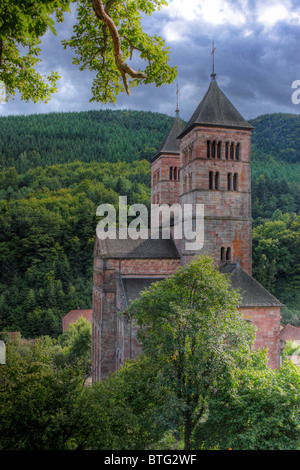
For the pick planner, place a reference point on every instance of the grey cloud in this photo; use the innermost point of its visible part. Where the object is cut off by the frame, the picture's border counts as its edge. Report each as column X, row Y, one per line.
column 254, row 71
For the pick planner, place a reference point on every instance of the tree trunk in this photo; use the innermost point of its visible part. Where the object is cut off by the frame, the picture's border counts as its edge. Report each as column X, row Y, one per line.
column 188, row 428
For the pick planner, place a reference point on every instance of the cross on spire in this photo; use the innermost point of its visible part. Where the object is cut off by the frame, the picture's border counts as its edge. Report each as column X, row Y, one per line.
column 177, row 94
column 213, row 57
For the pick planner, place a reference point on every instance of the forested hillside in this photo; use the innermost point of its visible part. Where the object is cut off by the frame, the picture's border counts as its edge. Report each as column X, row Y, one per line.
column 57, row 168
column 47, row 139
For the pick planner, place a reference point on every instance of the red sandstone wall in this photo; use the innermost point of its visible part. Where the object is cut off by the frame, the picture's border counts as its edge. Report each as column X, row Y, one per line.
column 164, row 190
column 267, row 321
column 227, row 212
column 146, row 267
column 112, row 336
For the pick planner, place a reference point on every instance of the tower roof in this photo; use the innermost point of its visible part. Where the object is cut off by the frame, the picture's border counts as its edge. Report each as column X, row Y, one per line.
column 171, row 144
column 215, row 109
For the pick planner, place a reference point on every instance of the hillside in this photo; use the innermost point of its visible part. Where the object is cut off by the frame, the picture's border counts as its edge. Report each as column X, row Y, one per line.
column 56, row 170
column 47, row 139
column 278, row 136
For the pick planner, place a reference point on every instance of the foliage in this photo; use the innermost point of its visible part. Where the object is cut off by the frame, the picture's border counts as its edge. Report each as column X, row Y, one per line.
column 122, row 412
column 276, row 135
column 21, row 28
column 105, row 36
column 47, row 238
column 259, row 412
column 33, row 141
column 276, row 262
column 76, row 345
column 291, row 348
column 190, row 327
column 38, row 399
column 108, row 35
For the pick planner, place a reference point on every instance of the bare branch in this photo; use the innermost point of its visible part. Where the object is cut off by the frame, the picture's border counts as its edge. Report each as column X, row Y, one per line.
column 124, row 68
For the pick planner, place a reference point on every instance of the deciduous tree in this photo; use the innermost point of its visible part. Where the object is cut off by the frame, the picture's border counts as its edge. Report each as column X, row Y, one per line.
column 190, row 326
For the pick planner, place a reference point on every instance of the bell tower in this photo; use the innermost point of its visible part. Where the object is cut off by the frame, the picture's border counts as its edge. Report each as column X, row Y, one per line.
column 165, row 166
column 215, row 168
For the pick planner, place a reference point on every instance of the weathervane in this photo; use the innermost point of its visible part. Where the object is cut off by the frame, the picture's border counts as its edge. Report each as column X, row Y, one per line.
column 213, row 57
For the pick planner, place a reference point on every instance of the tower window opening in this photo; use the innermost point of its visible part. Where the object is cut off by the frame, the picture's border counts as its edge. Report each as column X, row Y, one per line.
column 185, row 156
column 235, row 182
column 219, row 150
column 213, row 150
column 175, row 173
column 211, row 175
column 227, row 150
column 217, row 180
column 178, row 174
column 171, row 172
column 222, row 253
column 232, row 151
column 237, row 151
column 229, row 181
column 208, row 149
column 228, row 254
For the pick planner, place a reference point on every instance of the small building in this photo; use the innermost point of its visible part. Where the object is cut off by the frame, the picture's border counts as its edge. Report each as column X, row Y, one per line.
column 73, row 315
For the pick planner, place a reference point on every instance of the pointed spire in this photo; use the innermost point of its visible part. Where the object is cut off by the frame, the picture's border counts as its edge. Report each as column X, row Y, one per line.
column 216, row 110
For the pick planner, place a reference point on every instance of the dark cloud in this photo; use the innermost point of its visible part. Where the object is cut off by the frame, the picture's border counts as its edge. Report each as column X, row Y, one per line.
column 256, row 64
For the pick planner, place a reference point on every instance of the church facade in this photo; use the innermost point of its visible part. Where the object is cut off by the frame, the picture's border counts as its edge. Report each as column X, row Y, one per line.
column 204, row 162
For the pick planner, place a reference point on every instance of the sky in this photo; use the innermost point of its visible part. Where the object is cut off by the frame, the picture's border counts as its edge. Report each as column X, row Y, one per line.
column 257, row 59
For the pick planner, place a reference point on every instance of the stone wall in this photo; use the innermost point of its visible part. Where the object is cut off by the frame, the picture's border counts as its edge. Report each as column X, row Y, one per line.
column 163, row 189
column 223, row 186
column 267, row 322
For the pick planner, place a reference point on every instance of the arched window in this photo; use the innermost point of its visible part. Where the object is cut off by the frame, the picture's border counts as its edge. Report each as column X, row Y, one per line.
column 178, row 173
column 235, row 182
column 217, row 180
column 211, row 176
column 229, row 178
column 237, row 151
column 208, row 149
column 213, row 150
column 175, row 173
column 171, row 172
column 219, row 150
column 228, row 254
column 232, row 151
column 227, row 150
column 222, row 253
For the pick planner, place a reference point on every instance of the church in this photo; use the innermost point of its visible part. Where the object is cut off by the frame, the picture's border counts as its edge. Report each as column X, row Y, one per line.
column 205, row 161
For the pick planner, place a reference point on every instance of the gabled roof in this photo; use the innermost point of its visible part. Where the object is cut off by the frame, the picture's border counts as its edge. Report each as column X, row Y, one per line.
column 139, row 249
column 171, row 145
column 134, row 286
column 215, row 109
column 252, row 292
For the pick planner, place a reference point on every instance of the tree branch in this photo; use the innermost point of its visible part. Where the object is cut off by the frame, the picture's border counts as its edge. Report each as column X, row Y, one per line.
column 124, row 69
column 109, row 5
